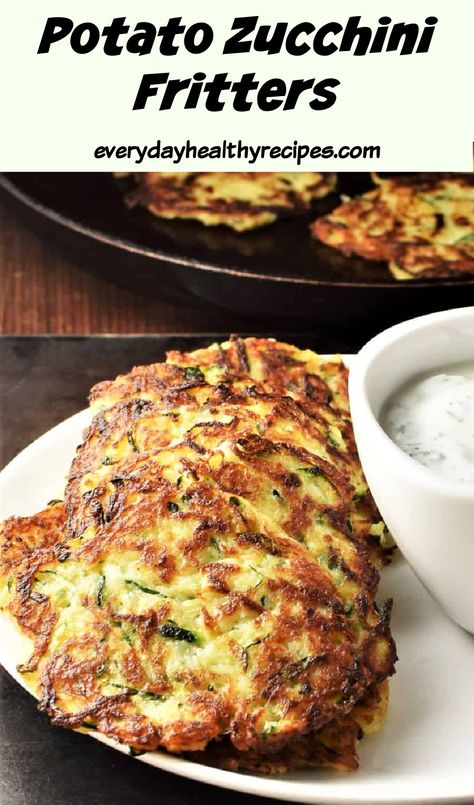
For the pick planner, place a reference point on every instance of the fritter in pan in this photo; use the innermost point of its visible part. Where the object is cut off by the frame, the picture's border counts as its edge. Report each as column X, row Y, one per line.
column 435, row 261
column 424, row 228
column 242, row 201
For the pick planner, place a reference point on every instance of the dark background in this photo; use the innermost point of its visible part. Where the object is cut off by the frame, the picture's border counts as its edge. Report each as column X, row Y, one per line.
column 44, row 290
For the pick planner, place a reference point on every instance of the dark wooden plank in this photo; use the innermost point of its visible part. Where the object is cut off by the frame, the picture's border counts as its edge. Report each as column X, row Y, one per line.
column 43, row 291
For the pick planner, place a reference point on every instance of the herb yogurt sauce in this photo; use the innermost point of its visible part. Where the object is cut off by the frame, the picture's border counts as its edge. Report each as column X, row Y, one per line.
column 431, row 419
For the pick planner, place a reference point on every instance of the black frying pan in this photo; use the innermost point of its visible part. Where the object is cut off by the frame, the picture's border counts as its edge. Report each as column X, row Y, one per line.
column 275, row 272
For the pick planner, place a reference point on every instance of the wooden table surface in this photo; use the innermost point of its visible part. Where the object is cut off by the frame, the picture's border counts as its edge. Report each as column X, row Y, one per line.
column 43, row 292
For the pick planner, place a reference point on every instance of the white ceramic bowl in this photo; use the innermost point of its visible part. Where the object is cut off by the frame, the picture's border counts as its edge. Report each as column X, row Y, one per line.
column 431, row 519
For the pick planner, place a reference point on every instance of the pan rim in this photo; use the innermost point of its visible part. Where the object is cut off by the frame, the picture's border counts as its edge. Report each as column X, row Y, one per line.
column 9, row 185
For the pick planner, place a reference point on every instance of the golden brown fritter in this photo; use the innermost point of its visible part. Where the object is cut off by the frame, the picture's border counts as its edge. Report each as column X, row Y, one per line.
column 332, row 747
column 23, row 541
column 212, row 582
column 20, row 536
column 424, row 228
column 293, row 397
column 435, row 261
column 185, row 617
column 242, row 201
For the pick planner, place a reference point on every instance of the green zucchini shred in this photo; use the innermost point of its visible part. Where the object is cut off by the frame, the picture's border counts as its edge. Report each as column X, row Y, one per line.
column 172, row 631
column 141, row 587
column 100, row 591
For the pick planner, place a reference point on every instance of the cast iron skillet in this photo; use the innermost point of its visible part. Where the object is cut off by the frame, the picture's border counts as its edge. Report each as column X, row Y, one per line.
column 275, row 272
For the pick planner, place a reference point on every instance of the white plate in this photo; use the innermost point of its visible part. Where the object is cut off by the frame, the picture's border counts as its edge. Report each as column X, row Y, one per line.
column 425, row 752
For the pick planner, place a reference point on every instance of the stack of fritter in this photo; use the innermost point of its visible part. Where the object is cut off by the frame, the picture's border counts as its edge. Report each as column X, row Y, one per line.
column 423, row 225
column 208, row 585
column 242, row 201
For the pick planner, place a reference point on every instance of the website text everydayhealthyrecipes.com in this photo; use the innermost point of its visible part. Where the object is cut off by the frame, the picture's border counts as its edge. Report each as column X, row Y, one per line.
column 234, row 150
